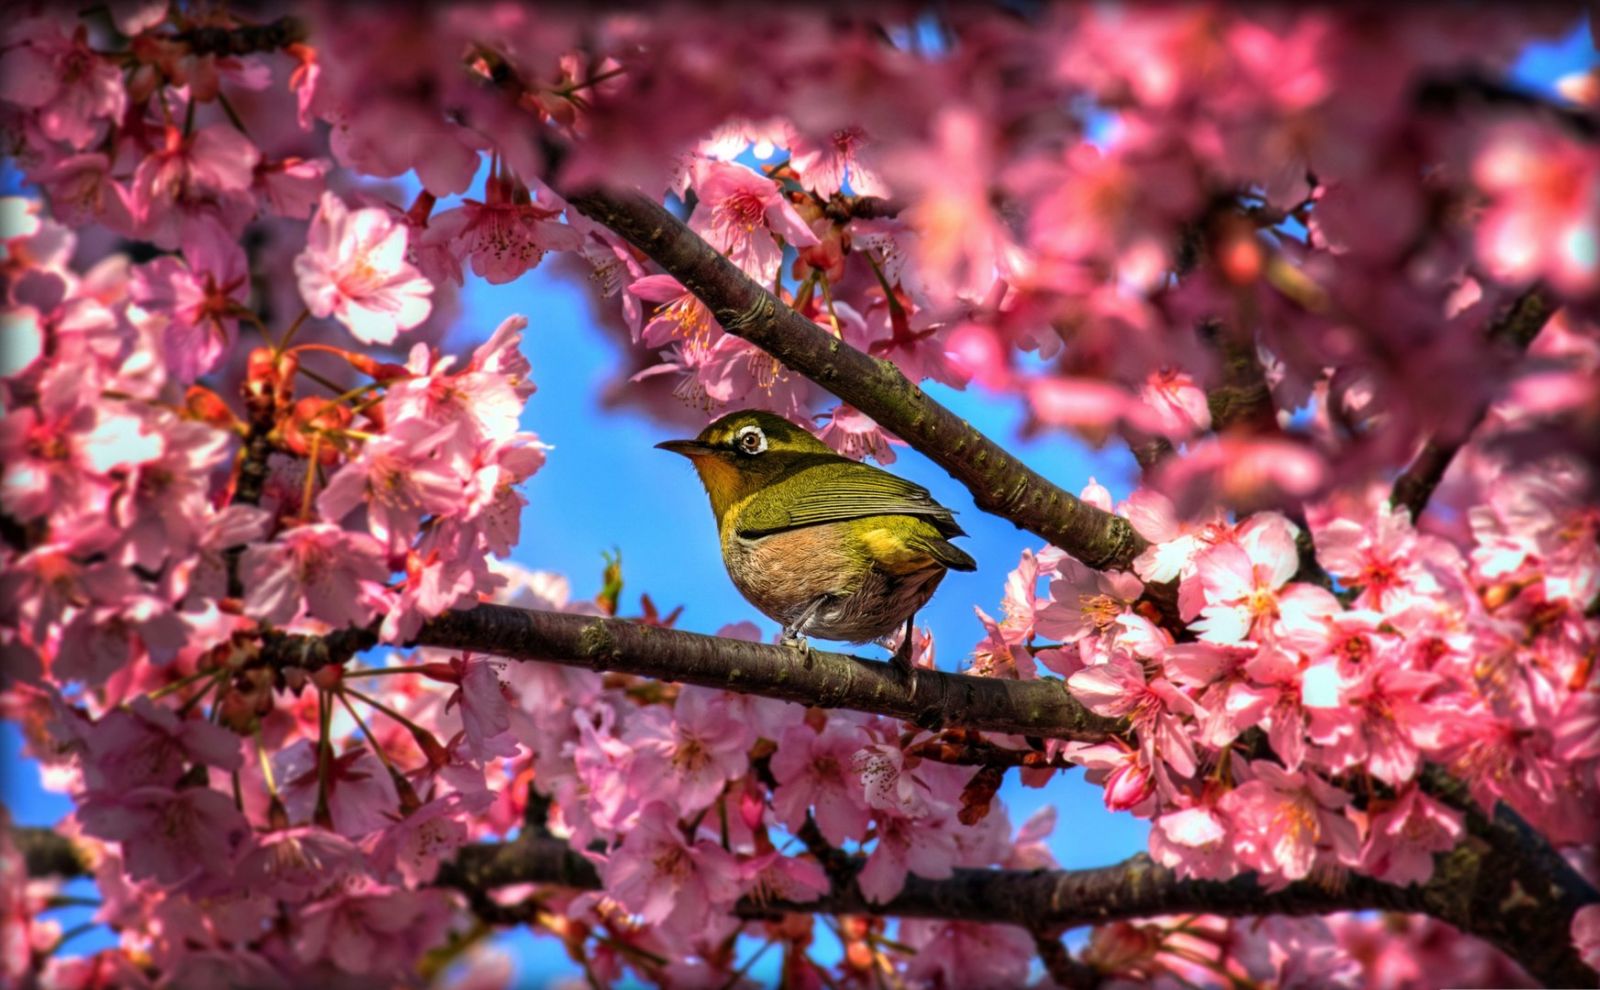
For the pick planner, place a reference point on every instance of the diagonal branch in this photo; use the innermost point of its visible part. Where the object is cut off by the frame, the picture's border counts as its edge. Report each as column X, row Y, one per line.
column 1041, row 900
column 1513, row 331
column 999, row 482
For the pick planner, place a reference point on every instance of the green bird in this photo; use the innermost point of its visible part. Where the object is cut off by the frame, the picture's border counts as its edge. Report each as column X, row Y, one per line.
column 824, row 545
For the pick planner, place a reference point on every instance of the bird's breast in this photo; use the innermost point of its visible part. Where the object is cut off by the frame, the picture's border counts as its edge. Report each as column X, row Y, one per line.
column 783, row 573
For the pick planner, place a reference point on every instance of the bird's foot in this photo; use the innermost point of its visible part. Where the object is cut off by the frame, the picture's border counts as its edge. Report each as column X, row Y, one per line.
column 903, row 664
column 794, row 640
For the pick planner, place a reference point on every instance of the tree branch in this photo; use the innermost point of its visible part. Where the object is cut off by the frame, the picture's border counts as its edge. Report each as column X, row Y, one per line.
column 1053, row 900
column 829, row 680
column 244, row 39
column 999, row 482
column 1476, row 90
column 1513, row 331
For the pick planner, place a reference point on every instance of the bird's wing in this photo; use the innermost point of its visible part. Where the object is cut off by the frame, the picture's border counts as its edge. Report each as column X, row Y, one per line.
column 834, row 490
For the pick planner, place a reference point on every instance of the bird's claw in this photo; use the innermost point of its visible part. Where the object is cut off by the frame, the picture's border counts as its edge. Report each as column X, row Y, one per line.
column 903, row 664
column 794, row 640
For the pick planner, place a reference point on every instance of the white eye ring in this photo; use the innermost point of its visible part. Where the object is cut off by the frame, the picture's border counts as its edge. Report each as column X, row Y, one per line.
column 750, row 440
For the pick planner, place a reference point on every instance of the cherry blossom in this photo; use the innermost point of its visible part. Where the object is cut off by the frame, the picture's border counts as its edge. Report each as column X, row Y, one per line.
column 1329, row 276
column 667, row 880
column 354, row 270
column 741, row 212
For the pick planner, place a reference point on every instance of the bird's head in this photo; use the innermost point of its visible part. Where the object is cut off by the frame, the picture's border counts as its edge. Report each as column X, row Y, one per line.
column 743, row 452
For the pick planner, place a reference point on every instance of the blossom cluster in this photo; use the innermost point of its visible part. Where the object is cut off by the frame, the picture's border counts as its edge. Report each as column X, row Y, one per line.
column 1251, row 243
column 1288, row 731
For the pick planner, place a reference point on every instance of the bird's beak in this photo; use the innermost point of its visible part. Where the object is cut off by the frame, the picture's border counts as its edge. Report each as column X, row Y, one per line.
column 688, row 448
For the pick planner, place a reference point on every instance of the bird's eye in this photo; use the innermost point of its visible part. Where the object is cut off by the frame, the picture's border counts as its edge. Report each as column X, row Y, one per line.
column 750, row 440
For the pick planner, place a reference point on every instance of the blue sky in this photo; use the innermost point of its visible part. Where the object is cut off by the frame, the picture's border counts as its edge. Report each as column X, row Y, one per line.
column 606, row 488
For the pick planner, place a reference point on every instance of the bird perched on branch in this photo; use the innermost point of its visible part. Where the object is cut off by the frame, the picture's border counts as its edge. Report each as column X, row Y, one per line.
column 827, row 546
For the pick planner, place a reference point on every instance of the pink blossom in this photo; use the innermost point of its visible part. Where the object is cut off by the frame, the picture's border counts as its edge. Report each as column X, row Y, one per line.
column 1393, row 714
column 1286, row 822
column 165, row 500
column 740, row 212
column 50, row 69
column 1540, row 514
column 82, row 190
column 372, row 929
column 399, row 477
column 169, row 836
column 1087, row 405
column 925, row 846
column 147, row 744
column 1117, row 688
column 813, row 771
column 315, row 570
column 964, row 954
column 291, row 187
column 200, row 297
column 1586, row 934
column 826, row 167
column 598, row 798
column 1386, row 558
column 205, row 176
column 854, row 434
column 1544, row 217
column 97, row 642
column 1029, row 850
column 888, row 785
column 1243, row 585
column 506, row 234
column 1195, row 842
column 685, row 757
column 962, row 246
column 298, row 864
column 52, row 452
column 361, row 797
column 1403, row 838
column 1179, row 404
column 354, row 270
column 667, row 880
column 415, row 845
column 488, row 403
column 1124, row 772
column 679, row 315
column 1246, row 473
column 483, row 697
column 774, row 876
column 1174, row 543
column 1085, row 601
column 205, row 576
column 913, row 338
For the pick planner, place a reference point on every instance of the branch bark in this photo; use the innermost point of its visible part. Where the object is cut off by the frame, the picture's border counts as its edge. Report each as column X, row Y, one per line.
column 1049, row 900
column 244, row 39
column 930, row 698
column 1514, row 331
column 1000, row 483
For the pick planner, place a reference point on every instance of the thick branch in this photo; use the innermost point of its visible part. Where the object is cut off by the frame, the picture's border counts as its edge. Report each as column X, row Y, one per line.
column 46, row 853
column 827, row 680
column 1473, row 90
column 244, row 39
column 999, row 482
column 1514, row 332
column 1045, row 900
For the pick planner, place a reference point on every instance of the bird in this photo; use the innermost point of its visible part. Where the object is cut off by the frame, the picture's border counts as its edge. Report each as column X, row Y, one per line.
column 824, row 545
